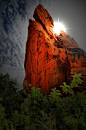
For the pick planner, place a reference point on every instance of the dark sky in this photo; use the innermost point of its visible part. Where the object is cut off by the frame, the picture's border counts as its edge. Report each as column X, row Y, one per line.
column 14, row 20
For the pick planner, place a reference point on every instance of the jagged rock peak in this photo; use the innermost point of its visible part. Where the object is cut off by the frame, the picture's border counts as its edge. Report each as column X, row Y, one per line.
column 42, row 16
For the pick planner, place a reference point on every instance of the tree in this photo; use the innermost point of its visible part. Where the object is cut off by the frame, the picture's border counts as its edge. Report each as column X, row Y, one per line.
column 8, row 92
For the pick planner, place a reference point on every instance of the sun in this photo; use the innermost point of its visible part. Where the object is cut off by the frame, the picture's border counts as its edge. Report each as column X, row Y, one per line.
column 58, row 27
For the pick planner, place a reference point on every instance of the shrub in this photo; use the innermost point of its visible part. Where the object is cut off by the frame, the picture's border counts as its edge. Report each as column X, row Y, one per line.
column 39, row 111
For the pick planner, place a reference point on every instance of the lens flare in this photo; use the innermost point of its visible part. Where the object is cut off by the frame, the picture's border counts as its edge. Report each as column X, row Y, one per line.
column 58, row 27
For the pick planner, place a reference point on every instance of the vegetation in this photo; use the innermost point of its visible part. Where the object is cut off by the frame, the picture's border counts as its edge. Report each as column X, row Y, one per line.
column 24, row 110
column 53, row 42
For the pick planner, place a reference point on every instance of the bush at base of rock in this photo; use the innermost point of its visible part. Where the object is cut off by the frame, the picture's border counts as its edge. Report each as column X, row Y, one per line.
column 39, row 111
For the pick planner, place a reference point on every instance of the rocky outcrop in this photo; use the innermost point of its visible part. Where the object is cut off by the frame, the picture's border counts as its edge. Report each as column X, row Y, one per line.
column 49, row 57
column 65, row 41
column 43, row 17
column 77, row 59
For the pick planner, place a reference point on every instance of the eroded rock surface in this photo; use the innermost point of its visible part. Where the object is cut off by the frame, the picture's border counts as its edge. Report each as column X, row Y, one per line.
column 49, row 57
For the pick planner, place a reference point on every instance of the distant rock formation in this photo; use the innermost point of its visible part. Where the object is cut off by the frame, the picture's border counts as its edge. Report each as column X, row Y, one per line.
column 50, row 59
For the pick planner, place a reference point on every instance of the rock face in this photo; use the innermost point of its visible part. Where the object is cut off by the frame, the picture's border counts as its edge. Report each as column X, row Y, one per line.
column 76, row 57
column 49, row 57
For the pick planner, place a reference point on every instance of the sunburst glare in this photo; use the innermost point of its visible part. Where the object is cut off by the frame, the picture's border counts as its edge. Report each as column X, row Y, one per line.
column 58, row 27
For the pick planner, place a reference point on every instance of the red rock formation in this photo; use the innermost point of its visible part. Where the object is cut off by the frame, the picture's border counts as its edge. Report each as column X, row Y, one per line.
column 48, row 65
column 65, row 41
column 77, row 59
column 43, row 17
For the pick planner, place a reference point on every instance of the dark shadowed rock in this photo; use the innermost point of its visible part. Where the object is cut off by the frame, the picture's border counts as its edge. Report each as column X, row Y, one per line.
column 49, row 57
column 77, row 59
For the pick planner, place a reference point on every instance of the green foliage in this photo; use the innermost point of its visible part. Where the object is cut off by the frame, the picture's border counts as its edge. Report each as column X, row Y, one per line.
column 76, row 80
column 4, row 123
column 68, row 88
column 1, row 99
column 36, row 92
column 8, row 92
column 26, row 84
column 55, row 93
column 36, row 111
column 53, row 42
column 16, row 118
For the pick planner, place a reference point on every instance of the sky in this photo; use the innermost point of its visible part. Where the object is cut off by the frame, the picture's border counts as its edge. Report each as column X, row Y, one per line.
column 73, row 15
column 14, row 21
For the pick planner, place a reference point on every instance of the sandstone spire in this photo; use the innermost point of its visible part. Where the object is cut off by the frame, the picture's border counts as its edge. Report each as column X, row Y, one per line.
column 50, row 58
